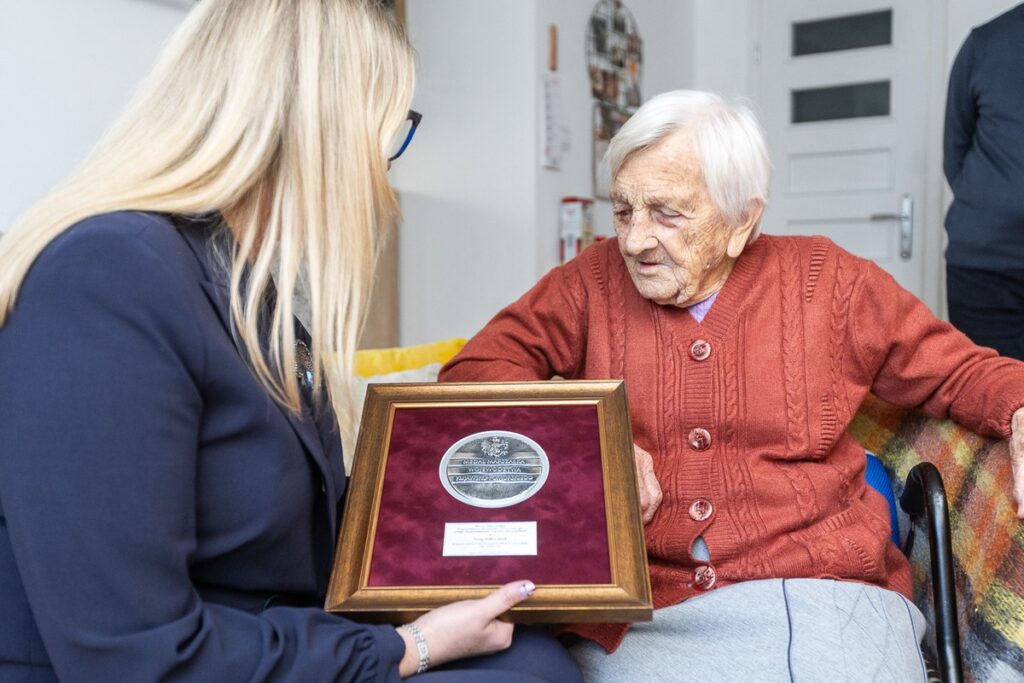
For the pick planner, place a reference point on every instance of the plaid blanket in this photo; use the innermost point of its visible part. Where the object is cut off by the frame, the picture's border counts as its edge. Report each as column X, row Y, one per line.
column 988, row 539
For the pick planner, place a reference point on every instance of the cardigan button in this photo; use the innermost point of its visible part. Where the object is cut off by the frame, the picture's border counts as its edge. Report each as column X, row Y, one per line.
column 701, row 510
column 700, row 439
column 704, row 577
column 700, row 349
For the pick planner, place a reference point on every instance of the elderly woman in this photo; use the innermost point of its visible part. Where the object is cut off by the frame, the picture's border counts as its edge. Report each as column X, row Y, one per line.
column 746, row 358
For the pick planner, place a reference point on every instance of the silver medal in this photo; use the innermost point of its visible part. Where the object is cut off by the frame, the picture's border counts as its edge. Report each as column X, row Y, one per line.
column 494, row 469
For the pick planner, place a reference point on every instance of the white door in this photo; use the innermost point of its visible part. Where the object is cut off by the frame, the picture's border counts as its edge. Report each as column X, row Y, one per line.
column 843, row 91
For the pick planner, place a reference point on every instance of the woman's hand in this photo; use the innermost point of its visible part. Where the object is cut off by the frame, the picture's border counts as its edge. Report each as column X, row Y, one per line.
column 465, row 629
column 1017, row 459
column 647, row 481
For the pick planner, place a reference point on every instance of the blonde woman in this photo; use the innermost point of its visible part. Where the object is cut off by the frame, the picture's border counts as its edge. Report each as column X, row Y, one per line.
column 169, row 483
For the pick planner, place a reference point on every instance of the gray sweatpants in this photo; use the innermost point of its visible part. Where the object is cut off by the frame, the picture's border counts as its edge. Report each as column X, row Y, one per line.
column 770, row 630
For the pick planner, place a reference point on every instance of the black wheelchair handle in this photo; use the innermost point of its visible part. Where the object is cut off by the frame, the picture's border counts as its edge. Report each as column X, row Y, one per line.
column 925, row 495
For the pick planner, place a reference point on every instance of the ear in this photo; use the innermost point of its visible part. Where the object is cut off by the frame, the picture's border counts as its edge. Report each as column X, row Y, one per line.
column 741, row 235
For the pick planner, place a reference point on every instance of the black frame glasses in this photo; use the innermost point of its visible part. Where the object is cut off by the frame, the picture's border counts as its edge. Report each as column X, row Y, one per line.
column 415, row 117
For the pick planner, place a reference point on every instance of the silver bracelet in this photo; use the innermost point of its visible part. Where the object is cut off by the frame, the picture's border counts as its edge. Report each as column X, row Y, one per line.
column 421, row 646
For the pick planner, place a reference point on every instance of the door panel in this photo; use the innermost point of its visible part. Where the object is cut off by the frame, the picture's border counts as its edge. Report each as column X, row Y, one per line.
column 844, row 114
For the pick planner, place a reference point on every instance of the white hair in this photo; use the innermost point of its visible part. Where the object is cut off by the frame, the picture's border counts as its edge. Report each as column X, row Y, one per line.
column 729, row 139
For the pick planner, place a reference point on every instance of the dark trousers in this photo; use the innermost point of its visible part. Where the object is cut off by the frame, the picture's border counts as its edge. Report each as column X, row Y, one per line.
column 535, row 657
column 988, row 306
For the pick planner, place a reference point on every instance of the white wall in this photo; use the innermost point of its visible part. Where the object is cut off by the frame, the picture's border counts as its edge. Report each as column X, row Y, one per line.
column 721, row 45
column 667, row 66
column 467, row 182
column 481, row 214
column 66, row 68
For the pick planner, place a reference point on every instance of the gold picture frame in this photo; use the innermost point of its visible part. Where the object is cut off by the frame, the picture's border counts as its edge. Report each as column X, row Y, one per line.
column 621, row 595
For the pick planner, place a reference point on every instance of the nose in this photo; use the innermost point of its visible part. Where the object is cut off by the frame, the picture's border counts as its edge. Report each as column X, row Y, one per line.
column 639, row 237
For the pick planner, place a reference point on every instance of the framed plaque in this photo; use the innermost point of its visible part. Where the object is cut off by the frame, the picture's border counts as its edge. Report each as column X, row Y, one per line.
column 459, row 488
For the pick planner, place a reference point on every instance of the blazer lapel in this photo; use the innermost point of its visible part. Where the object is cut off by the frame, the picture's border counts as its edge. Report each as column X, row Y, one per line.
column 215, row 287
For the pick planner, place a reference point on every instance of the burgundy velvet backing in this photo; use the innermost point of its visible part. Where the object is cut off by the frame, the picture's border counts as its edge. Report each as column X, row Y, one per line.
column 572, row 536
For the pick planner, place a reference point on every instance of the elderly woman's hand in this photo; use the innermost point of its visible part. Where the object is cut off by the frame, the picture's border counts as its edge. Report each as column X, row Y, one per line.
column 1017, row 459
column 647, row 481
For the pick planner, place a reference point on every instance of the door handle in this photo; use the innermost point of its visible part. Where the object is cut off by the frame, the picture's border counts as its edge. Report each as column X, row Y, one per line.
column 906, row 219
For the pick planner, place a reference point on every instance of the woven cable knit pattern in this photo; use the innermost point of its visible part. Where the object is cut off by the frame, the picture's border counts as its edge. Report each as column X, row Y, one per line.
column 792, row 343
column 665, row 394
column 577, row 292
column 803, row 489
column 845, row 477
column 829, row 546
column 845, row 280
column 836, row 401
column 574, row 295
column 744, row 515
column 668, row 544
column 617, row 322
column 670, row 391
column 839, row 315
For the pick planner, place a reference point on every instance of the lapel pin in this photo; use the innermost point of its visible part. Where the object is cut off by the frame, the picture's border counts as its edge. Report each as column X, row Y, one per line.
column 303, row 364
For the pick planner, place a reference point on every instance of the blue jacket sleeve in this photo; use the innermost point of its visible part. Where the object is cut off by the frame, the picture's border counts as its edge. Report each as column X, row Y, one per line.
column 961, row 112
column 99, row 372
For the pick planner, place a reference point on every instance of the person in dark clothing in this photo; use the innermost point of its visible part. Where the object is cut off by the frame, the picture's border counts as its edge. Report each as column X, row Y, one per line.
column 171, row 472
column 983, row 159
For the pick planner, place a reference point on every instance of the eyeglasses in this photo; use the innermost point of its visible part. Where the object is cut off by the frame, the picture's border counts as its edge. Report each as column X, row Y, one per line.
column 404, row 136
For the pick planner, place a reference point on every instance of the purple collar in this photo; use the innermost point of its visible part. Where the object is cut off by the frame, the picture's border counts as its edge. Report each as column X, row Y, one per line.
column 701, row 308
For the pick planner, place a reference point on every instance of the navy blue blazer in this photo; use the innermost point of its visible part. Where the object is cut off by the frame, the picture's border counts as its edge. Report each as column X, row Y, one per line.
column 983, row 147
column 161, row 517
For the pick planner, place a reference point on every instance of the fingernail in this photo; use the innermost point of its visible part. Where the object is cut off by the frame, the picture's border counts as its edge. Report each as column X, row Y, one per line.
column 527, row 589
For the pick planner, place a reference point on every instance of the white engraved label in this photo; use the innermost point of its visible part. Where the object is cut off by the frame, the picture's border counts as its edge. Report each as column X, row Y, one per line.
column 480, row 539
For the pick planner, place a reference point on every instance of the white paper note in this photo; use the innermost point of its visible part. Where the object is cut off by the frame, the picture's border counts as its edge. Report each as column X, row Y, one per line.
column 478, row 539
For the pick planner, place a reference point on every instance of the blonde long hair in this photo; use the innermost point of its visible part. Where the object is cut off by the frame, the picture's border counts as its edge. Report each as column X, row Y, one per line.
column 280, row 114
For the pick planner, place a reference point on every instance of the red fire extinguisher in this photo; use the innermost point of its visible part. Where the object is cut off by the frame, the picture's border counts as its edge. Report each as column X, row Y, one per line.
column 575, row 226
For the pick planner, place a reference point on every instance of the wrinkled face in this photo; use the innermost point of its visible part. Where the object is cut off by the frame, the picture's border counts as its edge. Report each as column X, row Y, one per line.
column 678, row 247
